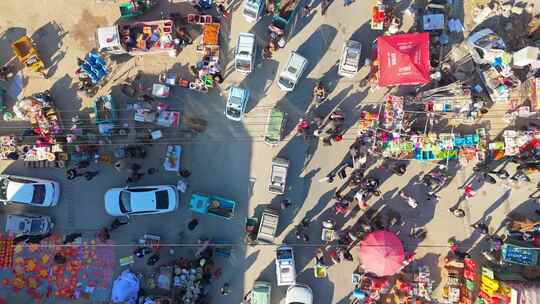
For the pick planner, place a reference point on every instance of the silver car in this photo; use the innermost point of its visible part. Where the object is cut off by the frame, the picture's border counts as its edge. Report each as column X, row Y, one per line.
column 28, row 224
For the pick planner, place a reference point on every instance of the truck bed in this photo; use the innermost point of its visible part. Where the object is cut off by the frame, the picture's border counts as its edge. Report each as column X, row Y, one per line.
column 268, row 226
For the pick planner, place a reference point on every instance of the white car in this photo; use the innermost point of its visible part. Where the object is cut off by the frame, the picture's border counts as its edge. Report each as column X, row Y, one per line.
column 299, row 294
column 292, row 71
column 29, row 190
column 350, row 59
column 28, row 224
column 141, row 200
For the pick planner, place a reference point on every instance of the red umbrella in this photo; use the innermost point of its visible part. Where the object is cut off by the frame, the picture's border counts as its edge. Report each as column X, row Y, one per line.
column 381, row 253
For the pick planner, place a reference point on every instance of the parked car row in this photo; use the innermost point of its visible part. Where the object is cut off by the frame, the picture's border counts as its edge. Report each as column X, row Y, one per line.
column 244, row 61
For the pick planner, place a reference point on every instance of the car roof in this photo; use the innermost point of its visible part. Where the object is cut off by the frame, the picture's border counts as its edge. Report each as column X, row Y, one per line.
column 143, row 201
column 299, row 293
column 296, row 60
column 245, row 42
column 237, row 97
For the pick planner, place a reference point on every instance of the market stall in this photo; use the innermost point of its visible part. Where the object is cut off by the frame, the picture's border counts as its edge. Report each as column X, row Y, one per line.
column 403, row 59
column 386, row 249
column 40, row 111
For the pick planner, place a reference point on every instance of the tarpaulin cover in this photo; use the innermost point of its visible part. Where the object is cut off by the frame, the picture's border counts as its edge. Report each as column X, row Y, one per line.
column 125, row 288
column 403, row 59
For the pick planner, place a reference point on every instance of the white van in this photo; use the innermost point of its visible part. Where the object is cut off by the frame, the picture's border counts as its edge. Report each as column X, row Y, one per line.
column 244, row 58
column 285, row 267
column 292, row 72
column 236, row 103
column 253, row 10
column 350, row 59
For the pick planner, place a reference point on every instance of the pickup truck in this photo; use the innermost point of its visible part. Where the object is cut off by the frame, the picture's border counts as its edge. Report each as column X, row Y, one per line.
column 278, row 177
column 213, row 205
column 268, row 226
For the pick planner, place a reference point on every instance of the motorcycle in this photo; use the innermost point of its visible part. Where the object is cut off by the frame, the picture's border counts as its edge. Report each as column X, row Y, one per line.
column 86, row 86
column 370, row 185
column 303, row 127
column 485, row 172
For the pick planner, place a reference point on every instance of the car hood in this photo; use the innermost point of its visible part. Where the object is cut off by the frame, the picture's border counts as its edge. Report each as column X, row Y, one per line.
column 112, row 202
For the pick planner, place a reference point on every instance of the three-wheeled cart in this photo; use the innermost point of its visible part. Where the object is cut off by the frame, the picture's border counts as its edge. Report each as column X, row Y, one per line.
column 274, row 127
column 28, row 55
column 213, row 205
column 135, row 8
column 278, row 177
column 268, row 225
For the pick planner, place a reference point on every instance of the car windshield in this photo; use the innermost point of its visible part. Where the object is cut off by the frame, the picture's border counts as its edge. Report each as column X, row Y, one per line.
column 125, row 201
column 4, row 182
column 248, row 12
column 162, row 199
column 491, row 40
column 35, row 225
column 284, row 254
column 38, row 197
column 233, row 112
column 286, row 82
column 243, row 64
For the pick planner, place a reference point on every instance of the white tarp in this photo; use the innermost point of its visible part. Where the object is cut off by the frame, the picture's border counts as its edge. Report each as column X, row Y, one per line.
column 125, row 288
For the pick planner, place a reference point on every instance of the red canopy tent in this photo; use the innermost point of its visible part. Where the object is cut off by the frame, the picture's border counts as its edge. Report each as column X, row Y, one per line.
column 403, row 59
column 381, row 252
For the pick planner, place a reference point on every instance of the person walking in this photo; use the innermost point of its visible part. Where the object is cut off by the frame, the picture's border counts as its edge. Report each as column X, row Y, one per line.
column 182, row 185
column 482, row 227
column 468, row 192
column 120, row 165
column 70, row 238
column 71, row 174
column 409, row 199
column 89, row 175
column 83, row 164
column 225, row 290
column 347, row 2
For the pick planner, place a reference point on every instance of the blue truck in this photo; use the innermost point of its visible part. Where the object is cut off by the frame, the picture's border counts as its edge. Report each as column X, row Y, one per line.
column 213, row 205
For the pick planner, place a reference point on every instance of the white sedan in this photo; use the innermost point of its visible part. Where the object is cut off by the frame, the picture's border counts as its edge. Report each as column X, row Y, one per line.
column 29, row 190
column 299, row 294
column 141, row 200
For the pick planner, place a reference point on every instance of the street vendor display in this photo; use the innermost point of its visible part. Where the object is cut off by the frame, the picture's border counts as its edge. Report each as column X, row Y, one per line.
column 106, row 114
column 39, row 110
column 208, row 69
column 172, row 158
column 393, row 113
column 138, row 38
